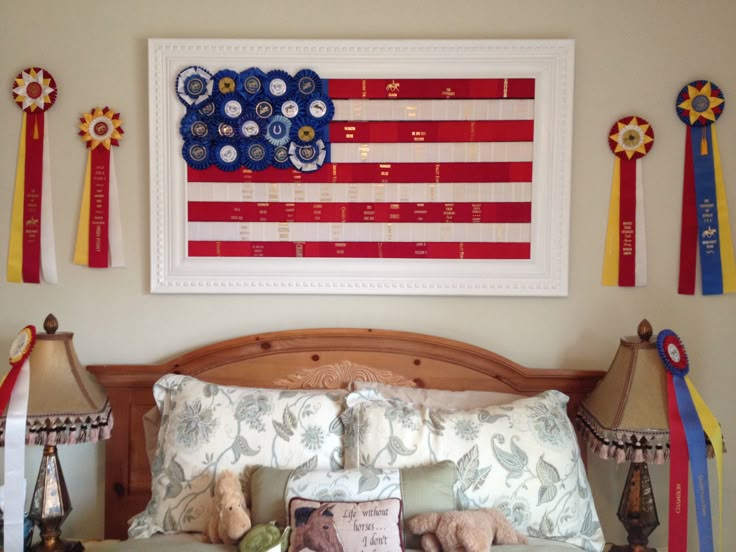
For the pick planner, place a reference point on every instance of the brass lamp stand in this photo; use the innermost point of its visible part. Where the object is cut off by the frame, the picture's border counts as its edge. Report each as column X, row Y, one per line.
column 50, row 505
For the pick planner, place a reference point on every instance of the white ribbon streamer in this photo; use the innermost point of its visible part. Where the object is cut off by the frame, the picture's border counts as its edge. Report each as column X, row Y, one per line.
column 14, row 492
column 115, row 232
column 640, row 269
column 48, row 245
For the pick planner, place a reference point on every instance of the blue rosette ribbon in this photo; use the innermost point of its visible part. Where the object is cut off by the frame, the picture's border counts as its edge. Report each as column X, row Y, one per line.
column 226, row 82
column 308, row 82
column 250, row 126
column 208, row 109
column 279, row 85
column 673, row 355
column 308, row 157
column 281, row 158
column 223, row 129
column 197, row 153
column 304, row 131
column 257, row 154
column 194, row 86
column 291, row 108
column 250, row 82
column 263, row 107
column 320, row 108
column 231, row 107
column 194, row 126
column 227, row 155
column 278, row 130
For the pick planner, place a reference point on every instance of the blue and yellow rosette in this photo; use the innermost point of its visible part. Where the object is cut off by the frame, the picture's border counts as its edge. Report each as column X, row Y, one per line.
column 690, row 421
column 625, row 258
column 31, row 251
column 706, row 229
column 99, row 231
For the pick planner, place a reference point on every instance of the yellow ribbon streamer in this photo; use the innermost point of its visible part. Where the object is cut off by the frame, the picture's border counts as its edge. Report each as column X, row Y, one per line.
column 610, row 256
column 81, row 249
column 15, row 248
column 728, row 263
column 713, row 430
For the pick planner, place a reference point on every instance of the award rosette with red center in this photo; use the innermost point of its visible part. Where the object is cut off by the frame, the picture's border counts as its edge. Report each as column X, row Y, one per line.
column 625, row 259
column 14, row 392
column 31, row 253
column 99, row 233
column 690, row 420
column 706, row 231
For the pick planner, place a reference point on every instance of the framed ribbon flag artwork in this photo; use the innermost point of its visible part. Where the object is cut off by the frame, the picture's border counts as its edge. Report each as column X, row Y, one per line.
column 99, row 232
column 625, row 257
column 31, row 252
column 370, row 167
column 706, row 230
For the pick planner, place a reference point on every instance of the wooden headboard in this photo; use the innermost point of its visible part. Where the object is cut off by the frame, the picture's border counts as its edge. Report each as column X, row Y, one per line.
column 310, row 358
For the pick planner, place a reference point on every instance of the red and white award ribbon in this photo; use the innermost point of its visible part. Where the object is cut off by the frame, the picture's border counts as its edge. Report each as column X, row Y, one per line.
column 14, row 391
column 625, row 257
column 31, row 253
column 99, row 233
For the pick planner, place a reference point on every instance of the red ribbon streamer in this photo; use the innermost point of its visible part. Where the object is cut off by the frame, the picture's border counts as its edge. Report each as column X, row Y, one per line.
column 368, row 173
column 679, row 459
column 438, row 131
column 223, row 211
column 689, row 232
column 32, row 187
column 627, row 225
column 396, row 250
column 99, row 208
column 6, row 389
column 339, row 89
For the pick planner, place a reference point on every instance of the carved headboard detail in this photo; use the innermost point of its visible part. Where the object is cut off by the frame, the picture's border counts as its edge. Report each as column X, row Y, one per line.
column 339, row 376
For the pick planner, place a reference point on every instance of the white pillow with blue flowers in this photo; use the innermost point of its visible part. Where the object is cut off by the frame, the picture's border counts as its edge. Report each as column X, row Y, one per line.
column 522, row 457
column 207, row 428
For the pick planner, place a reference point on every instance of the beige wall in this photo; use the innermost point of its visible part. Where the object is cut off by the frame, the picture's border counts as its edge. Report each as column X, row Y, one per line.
column 631, row 57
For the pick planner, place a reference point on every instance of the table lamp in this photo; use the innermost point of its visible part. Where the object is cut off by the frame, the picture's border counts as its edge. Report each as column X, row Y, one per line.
column 66, row 406
column 625, row 418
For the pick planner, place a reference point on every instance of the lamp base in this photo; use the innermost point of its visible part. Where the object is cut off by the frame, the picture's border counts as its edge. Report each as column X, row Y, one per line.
column 58, row 545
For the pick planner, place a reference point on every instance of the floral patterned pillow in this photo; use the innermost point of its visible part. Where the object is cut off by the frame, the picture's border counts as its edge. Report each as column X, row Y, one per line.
column 206, row 428
column 522, row 458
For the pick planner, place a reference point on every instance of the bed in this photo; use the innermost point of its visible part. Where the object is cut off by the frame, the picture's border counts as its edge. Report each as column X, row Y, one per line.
column 315, row 359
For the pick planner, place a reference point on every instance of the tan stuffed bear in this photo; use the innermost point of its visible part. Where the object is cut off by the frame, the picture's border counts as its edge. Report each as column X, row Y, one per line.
column 473, row 530
column 230, row 517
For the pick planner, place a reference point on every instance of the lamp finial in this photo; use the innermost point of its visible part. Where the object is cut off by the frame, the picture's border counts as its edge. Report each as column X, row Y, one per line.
column 644, row 330
column 51, row 324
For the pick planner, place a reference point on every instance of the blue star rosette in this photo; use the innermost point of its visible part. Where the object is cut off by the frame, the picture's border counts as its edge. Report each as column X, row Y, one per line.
column 705, row 228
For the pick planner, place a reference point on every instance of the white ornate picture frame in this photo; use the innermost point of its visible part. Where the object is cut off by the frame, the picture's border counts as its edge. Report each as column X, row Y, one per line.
column 545, row 273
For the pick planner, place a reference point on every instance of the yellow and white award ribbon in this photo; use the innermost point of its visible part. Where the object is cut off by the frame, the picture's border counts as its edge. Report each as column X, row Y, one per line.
column 17, row 385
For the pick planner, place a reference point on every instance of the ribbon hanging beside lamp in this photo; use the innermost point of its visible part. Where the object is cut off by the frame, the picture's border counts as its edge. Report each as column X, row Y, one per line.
column 632, row 415
column 66, row 406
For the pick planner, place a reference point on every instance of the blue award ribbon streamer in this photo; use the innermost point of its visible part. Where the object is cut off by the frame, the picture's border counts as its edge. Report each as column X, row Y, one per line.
column 708, row 231
column 698, row 462
column 675, row 360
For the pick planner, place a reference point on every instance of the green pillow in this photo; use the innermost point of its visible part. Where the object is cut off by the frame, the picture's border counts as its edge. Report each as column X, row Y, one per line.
column 421, row 489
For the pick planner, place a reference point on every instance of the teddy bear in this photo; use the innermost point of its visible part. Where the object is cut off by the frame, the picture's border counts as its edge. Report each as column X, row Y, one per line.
column 472, row 530
column 230, row 517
